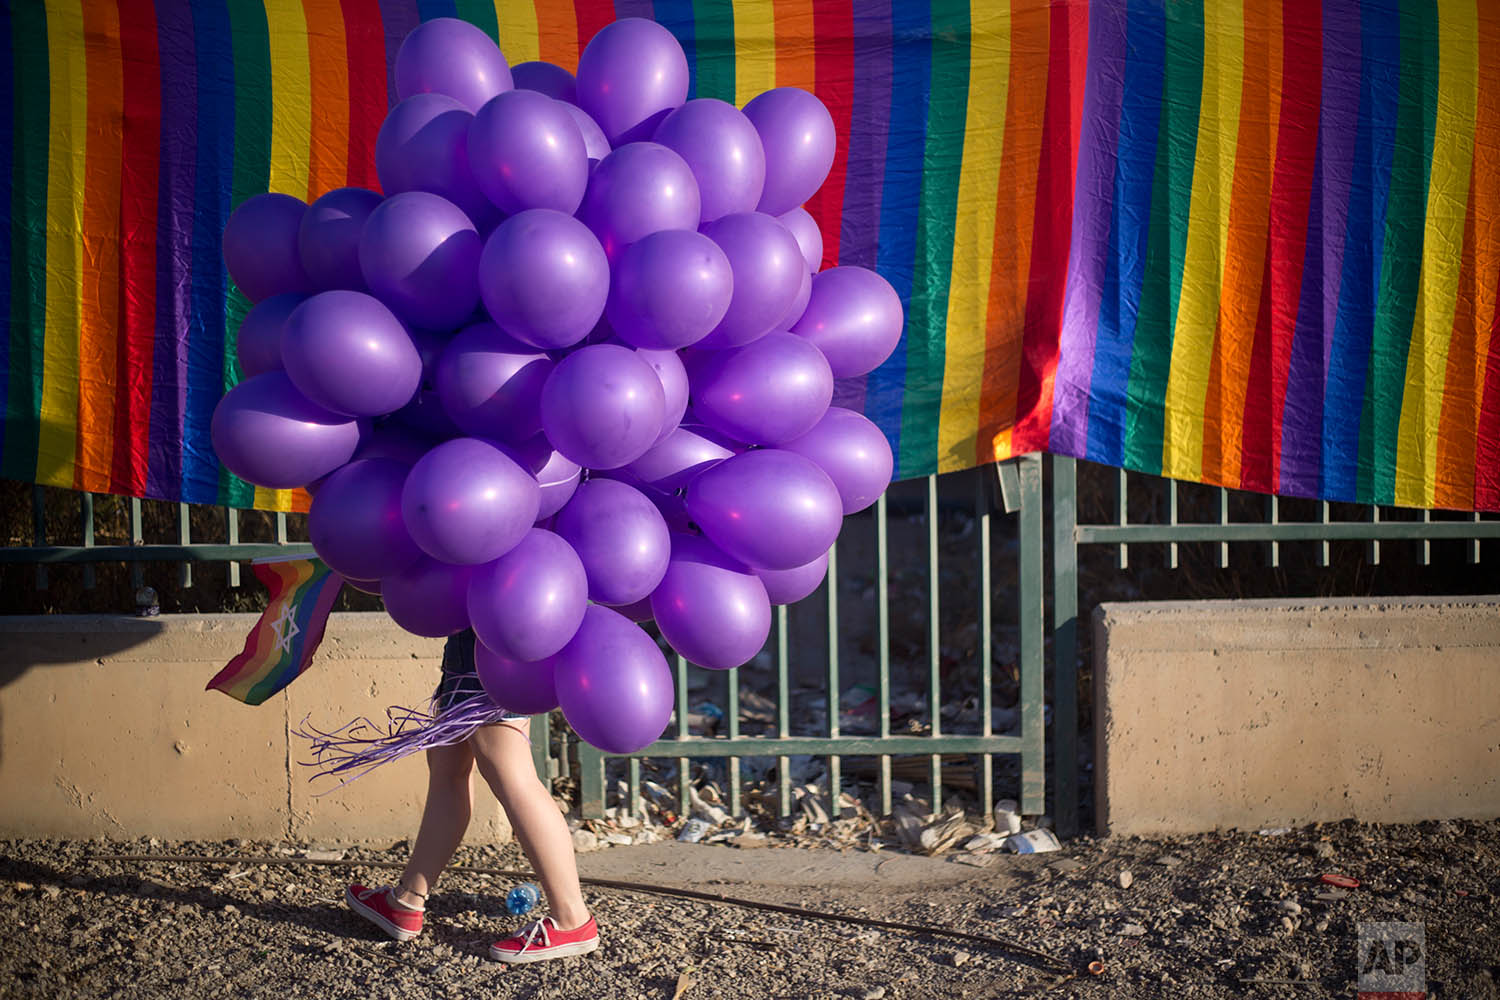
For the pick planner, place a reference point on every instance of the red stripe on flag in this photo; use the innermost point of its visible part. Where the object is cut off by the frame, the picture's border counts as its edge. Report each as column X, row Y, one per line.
column 364, row 44
column 833, row 26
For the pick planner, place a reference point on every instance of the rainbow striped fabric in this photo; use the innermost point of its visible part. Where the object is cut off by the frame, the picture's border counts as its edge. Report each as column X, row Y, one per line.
column 1247, row 242
column 281, row 645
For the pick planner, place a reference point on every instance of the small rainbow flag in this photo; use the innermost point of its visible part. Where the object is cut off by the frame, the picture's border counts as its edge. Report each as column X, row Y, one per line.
column 282, row 643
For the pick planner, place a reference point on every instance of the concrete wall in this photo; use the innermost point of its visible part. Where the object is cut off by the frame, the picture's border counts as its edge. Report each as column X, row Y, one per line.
column 1249, row 714
column 106, row 730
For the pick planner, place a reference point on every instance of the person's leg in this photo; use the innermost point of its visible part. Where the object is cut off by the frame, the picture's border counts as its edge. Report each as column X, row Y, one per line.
column 445, row 817
column 503, row 753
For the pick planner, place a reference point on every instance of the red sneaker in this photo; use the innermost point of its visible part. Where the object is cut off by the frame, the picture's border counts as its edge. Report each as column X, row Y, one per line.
column 379, row 907
column 541, row 940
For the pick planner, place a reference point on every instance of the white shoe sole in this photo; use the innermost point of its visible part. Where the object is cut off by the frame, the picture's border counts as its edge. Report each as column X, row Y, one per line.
column 374, row 917
column 543, row 954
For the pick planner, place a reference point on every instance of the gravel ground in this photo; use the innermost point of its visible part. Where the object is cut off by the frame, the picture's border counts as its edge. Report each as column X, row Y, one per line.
column 1222, row 915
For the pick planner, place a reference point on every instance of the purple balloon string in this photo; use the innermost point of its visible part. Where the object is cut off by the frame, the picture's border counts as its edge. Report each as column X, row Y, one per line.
column 362, row 745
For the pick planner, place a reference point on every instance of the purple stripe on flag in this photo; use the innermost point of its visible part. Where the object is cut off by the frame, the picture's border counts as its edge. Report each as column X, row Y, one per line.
column 1103, row 93
column 634, row 8
column 174, row 247
column 869, row 134
column 400, row 17
column 1312, row 341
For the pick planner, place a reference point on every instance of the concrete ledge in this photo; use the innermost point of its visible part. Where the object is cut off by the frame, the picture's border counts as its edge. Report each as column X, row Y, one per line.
column 1248, row 714
column 105, row 730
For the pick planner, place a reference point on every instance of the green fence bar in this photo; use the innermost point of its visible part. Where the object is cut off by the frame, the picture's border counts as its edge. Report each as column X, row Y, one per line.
column 831, row 581
column 1065, row 645
column 86, row 524
column 986, row 644
column 1032, row 622
column 783, row 711
column 934, row 645
column 39, row 532
column 883, row 647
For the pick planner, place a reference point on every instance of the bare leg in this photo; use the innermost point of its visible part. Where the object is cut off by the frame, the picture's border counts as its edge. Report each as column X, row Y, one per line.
column 503, row 754
column 445, row 817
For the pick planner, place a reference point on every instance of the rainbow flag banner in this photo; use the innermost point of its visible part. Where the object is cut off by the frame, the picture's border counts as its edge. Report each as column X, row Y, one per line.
column 281, row 645
column 1246, row 242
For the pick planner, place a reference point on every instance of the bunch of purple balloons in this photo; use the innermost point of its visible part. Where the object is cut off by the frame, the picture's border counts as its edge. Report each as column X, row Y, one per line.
column 572, row 371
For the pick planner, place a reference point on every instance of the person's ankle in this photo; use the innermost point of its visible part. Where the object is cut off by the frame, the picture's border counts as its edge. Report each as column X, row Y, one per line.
column 406, row 898
column 569, row 920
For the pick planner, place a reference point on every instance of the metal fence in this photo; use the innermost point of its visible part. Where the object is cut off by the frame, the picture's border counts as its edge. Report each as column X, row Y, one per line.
column 1007, row 512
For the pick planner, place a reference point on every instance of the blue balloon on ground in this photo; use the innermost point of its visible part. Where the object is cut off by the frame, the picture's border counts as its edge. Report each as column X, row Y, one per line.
column 448, row 56
column 269, row 434
column 709, row 606
column 348, row 353
column 466, row 501
column 420, row 255
column 428, row 597
column 260, row 247
column 328, row 238
column 355, row 522
column 527, row 604
column 613, row 683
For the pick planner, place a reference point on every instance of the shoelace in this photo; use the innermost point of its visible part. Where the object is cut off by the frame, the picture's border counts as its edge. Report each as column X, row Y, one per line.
column 528, row 934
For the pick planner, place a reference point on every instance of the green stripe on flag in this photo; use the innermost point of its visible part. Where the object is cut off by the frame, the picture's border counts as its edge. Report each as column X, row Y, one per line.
column 713, row 43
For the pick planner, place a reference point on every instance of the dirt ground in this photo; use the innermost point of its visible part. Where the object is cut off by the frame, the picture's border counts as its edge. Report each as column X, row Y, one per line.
column 1237, row 914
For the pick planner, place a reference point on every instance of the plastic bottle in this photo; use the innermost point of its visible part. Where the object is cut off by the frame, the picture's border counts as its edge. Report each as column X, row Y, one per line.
column 521, row 899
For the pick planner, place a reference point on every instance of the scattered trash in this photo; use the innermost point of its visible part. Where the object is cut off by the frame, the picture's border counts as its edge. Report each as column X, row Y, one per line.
column 1132, row 930
column 1341, row 881
column 1096, row 968
column 1033, row 842
column 986, row 842
column 323, row 855
column 1169, row 861
column 1126, row 879
column 1008, row 816
column 1275, row 831
column 520, row 900
column 684, row 983
column 694, row 830
column 1066, row 865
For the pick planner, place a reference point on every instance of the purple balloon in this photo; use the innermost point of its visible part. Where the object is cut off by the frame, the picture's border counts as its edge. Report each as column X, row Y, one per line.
column 527, row 152
column 603, row 406
column 260, row 247
column 768, row 269
column 674, row 385
column 349, row 354
column 423, row 145
column 452, row 57
column 355, row 521
column 637, row 611
column 799, row 139
column 799, row 304
column 788, row 586
column 669, row 290
column 630, row 76
column 711, row 608
column 853, row 451
column 424, row 415
column 547, row 78
column 269, row 434
column 468, row 502
column 516, row 685
column 676, row 459
column 613, row 684
column 767, row 392
column 621, row 538
column 428, row 597
column 558, row 480
column 544, row 278
column 724, row 151
column 395, row 442
column 258, row 343
column 527, row 604
column 770, row 509
column 491, row 385
column 328, row 238
column 594, row 143
column 639, row 189
column 809, row 237
column 420, row 254
column 855, row 318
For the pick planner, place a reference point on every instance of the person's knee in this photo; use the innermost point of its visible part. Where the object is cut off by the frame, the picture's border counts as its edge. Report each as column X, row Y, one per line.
column 449, row 768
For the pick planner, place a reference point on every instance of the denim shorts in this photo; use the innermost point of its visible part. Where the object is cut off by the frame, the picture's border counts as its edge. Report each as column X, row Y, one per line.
column 460, row 677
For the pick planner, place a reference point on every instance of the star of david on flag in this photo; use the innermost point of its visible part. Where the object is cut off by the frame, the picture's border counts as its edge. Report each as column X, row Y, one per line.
column 281, row 645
